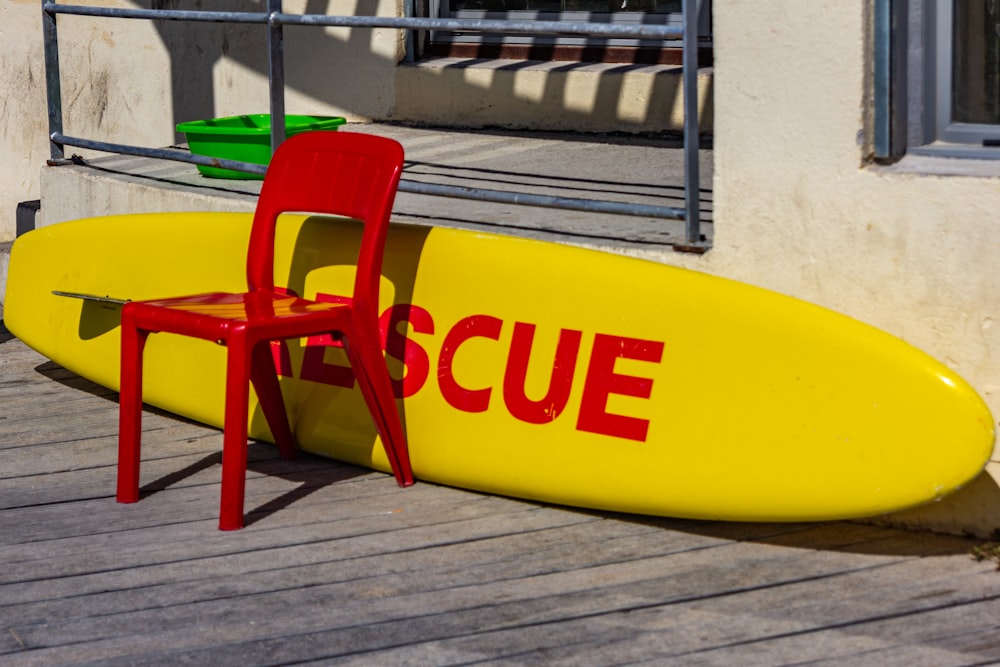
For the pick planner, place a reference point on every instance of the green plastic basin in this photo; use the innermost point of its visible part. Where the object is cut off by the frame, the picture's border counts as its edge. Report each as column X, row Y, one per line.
column 245, row 138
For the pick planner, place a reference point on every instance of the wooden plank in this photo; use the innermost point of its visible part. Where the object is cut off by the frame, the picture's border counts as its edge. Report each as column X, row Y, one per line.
column 339, row 564
column 513, row 592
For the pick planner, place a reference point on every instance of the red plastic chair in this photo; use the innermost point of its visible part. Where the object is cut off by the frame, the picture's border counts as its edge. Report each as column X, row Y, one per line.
column 339, row 173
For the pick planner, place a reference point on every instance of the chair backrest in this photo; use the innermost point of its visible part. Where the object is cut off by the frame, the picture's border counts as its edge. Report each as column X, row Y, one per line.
column 338, row 173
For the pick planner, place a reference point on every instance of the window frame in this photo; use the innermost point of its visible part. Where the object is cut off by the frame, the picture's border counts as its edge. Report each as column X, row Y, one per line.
column 917, row 102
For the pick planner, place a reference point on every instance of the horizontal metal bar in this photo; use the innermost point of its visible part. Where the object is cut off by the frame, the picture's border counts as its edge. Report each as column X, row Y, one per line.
column 543, row 201
column 155, row 14
column 662, row 32
column 159, row 153
column 405, row 185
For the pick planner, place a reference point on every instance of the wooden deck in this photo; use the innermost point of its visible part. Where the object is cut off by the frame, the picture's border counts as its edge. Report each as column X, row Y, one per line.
column 339, row 566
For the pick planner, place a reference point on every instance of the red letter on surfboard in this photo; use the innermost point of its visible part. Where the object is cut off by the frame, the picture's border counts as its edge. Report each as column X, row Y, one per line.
column 602, row 381
column 279, row 348
column 460, row 398
column 560, row 382
column 396, row 344
column 314, row 366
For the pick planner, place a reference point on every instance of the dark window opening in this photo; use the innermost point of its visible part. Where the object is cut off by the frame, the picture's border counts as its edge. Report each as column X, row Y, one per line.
column 567, row 48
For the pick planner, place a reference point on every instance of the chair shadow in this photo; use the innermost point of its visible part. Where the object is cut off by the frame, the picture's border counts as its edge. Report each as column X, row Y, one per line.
column 310, row 474
column 323, row 243
column 67, row 378
column 309, row 480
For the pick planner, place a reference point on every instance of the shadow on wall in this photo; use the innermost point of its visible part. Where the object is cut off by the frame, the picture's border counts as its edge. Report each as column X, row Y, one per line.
column 622, row 97
column 196, row 47
column 351, row 74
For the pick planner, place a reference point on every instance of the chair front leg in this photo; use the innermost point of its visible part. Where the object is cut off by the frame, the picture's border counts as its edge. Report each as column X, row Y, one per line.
column 133, row 342
column 234, row 438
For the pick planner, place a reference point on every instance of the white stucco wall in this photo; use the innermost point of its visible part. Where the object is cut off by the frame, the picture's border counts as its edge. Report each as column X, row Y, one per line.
column 798, row 209
column 23, row 131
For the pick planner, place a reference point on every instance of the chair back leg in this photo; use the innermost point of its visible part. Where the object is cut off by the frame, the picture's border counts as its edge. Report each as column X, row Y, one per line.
column 265, row 382
column 373, row 380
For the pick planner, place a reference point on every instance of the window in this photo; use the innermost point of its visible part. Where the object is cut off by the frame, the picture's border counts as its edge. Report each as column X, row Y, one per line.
column 968, row 91
column 544, row 47
column 937, row 78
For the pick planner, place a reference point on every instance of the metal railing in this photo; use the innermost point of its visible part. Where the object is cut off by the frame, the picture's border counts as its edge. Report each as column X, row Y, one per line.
column 275, row 19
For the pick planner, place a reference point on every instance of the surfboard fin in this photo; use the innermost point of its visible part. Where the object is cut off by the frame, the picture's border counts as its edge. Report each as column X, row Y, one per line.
column 92, row 297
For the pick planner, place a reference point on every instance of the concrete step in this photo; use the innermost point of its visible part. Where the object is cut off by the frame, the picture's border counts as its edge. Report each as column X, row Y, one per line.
column 630, row 169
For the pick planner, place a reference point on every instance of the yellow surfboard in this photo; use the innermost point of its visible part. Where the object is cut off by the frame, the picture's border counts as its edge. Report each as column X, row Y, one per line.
column 537, row 370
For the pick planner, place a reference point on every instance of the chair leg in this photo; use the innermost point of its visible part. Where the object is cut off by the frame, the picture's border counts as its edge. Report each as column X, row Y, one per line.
column 234, row 437
column 133, row 341
column 376, row 387
column 265, row 383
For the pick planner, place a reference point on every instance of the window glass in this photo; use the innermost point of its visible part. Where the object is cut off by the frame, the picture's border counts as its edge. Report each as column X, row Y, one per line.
column 975, row 81
column 938, row 63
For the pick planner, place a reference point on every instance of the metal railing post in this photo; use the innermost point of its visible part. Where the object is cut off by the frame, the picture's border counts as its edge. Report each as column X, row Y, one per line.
column 692, row 182
column 409, row 36
column 53, row 90
column 276, row 73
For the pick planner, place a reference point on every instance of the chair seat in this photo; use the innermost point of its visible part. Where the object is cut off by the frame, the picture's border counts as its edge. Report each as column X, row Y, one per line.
column 212, row 315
